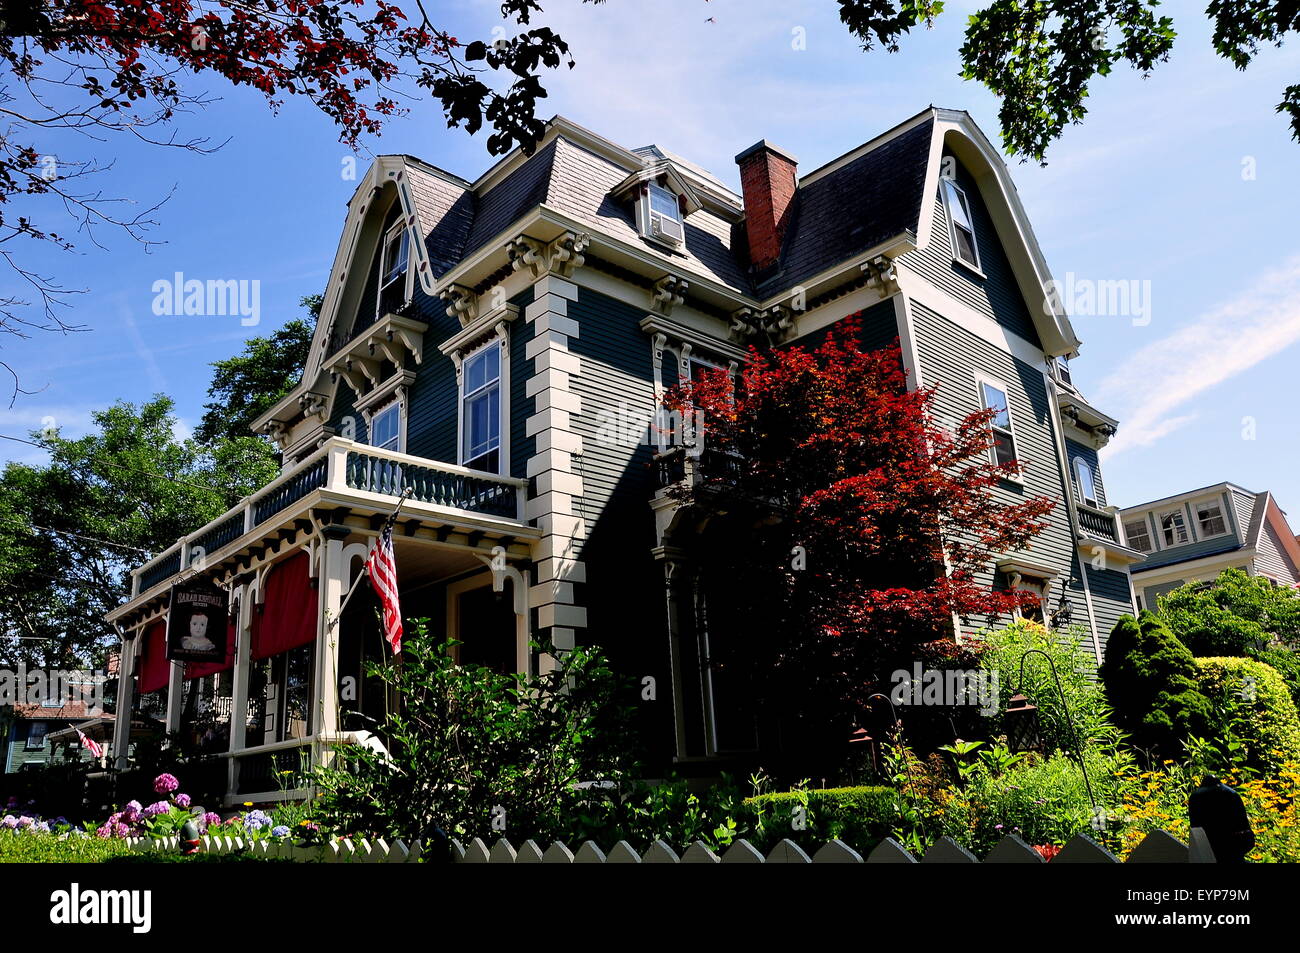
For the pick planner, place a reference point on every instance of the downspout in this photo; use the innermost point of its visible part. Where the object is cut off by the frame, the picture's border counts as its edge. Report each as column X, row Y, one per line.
column 1063, row 463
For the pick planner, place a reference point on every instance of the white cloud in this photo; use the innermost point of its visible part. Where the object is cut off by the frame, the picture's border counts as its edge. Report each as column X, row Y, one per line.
column 1160, row 378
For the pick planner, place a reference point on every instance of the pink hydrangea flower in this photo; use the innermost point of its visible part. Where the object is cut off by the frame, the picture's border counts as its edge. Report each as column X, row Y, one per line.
column 182, row 800
column 159, row 807
column 165, row 784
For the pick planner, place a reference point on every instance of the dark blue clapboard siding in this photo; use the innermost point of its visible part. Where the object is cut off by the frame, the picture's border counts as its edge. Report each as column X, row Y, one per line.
column 879, row 328
column 1110, row 600
column 522, row 406
column 431, row 417
column 344, row 417
column 997, row 294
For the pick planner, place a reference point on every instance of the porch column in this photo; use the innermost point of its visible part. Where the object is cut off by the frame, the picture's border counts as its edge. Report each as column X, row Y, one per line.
column 676, row 582
column 333, row 585
column 557, row 478
column 239, row 690
column 125, row 701
column 175, row 697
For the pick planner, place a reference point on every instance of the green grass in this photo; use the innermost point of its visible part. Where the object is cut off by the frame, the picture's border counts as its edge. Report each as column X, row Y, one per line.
column 23, row 847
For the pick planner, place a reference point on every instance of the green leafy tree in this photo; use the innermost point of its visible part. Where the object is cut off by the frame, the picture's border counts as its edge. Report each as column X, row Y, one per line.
column 1151, row 683
column 247, row 385
column 1252, row 709
column 1237, row 614
column 71, row 528
column 473, row 753
column 1040, row 56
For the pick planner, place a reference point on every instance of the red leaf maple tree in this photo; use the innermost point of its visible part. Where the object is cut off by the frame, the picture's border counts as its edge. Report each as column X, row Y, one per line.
column 843, row 523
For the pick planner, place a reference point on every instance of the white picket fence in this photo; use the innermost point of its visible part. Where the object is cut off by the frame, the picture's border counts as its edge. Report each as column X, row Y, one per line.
column 1158, row 847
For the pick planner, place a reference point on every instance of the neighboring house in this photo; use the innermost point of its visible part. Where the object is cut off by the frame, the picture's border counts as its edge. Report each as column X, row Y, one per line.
column 500, row 346
column 35, row 735
column 1195, row 536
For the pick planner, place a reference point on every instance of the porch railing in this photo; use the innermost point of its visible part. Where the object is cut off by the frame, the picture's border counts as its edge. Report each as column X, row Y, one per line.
column 343, row 466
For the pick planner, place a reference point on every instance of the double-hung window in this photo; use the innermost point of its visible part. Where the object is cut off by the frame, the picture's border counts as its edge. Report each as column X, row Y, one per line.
column 664, row 219
column 1209, row 517
column 1138, row 533
column 964, row 248
column 396, row 253
column 386, row 428
column 481, row 409
column 1173, row 528
column 994, row 398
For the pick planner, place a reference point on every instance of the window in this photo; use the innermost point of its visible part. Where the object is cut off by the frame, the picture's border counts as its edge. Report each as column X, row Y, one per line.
column 36, row 735
column 665, row 215
column 1138, row 534
column 386, row 428
column 481, row 409
column 1173, row 527
column 963, row 231
column 1062, row 368
column 1209, row 516
column 396, row 250
column 1087, row 482
column 1004, row 440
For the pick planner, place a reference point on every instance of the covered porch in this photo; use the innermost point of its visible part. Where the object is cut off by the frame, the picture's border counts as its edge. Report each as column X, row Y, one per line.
column 292, row 684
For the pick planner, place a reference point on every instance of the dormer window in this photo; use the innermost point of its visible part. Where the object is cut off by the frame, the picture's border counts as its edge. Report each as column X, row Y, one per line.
column 963, row 230
column 664, row 215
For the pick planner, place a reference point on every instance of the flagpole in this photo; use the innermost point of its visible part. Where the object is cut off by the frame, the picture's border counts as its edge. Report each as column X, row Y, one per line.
column 365, row 569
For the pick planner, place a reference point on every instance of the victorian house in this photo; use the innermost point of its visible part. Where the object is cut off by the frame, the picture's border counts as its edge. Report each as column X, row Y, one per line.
column 500, row 347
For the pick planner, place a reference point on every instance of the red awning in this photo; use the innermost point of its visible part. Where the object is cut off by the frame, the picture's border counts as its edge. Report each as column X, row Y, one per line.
column 287, row 617
column 155, row 670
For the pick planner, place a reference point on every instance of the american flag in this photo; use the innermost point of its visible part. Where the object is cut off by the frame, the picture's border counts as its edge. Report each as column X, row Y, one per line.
column 382, row 568
column 94, row 747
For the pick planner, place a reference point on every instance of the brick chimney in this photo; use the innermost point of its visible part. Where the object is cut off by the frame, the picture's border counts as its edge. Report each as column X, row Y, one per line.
column 768, row 183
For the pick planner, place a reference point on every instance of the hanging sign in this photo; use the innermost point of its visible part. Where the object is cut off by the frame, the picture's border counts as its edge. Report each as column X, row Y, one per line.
column 196, row 622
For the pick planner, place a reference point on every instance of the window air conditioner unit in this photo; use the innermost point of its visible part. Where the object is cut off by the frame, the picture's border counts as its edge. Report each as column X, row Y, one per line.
column 667, row 229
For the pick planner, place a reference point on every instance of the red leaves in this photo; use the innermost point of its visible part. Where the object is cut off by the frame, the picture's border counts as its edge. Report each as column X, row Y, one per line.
column 899, row 516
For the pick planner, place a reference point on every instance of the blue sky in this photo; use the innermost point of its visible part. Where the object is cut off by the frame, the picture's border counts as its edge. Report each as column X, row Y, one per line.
column 1181, row 180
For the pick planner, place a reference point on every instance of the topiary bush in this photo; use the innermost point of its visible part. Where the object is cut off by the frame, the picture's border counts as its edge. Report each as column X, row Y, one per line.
column 1151, row 682
column 1252, row 704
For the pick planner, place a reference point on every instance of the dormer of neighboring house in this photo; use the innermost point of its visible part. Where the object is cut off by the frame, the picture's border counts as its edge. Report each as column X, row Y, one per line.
column 501, row 348
column 1195, row 536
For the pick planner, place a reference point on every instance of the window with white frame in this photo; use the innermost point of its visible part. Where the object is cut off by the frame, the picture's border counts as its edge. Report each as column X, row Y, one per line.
column 994, row 398
column 36, row 731
column 386, row 427
column 1173, row 528
column 664, row 215
column 392, row 265
column 1138, row 534
column 964, row 248
column 1209, row 517
column 1087, row 482
column 481, row 409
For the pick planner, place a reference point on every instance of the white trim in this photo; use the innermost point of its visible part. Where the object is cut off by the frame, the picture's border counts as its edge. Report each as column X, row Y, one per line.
column 479, row 581
column 1223, row 518
column 920, row 290
column 945, row 185
column 499, row 341
column 1080, row 467
column 982, row 379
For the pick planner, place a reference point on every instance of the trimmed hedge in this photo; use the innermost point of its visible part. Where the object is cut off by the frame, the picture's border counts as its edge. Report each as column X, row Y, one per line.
column 1260, row 711
column 860, row 816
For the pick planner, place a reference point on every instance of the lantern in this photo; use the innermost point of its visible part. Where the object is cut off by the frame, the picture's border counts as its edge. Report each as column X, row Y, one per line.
column 1022, row 724
column 189, row 837
column 1064, row 613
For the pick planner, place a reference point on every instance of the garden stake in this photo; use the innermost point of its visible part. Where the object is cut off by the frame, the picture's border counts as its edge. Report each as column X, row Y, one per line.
column 1078, row 747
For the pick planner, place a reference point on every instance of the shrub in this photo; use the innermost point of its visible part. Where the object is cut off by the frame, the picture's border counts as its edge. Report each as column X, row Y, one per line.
column 1287, row 664
column 1252, row 704
column 860, row 816
column 472, row 753
column 1074, row 665
column 1237, row 614
column 1151, row 682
